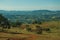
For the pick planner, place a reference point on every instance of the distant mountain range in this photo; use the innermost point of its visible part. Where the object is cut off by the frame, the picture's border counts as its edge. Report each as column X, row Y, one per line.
column 35, row 12
column 45, row 15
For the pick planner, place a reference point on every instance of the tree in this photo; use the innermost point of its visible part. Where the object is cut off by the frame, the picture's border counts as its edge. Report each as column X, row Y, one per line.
column 37, row 22
column 4, row 23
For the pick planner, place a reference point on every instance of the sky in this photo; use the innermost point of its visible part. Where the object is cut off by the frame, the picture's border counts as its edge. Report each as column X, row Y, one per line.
column 29, row 4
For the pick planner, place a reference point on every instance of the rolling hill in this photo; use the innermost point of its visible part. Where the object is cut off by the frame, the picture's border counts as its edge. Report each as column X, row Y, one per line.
column 29, row 16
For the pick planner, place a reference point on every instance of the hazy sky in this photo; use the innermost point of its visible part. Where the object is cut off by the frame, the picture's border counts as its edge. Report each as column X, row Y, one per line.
column 29, row 4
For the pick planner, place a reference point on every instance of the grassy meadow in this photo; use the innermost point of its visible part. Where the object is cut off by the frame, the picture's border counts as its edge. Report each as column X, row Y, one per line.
column 22, row 34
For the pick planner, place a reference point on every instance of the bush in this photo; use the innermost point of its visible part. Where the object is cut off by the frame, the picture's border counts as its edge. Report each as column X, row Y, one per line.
column 28, row 28
column 38, row 30
column 47, row 30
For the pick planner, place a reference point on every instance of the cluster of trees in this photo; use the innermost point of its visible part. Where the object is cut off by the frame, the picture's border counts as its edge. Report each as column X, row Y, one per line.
column 16, row 24
column 38, row 30
column 4, row 23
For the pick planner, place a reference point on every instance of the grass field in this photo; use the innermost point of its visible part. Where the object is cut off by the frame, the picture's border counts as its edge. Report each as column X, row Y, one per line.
column 21, row 34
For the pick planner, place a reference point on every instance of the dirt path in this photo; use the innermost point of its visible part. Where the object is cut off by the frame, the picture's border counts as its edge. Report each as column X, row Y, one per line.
column 5, row 36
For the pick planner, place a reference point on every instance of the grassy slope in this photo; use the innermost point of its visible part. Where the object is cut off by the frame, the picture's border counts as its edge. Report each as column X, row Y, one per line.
column 54, row 35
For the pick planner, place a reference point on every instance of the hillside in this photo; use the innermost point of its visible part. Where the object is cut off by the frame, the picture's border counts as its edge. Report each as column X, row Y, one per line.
column 29, row 16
